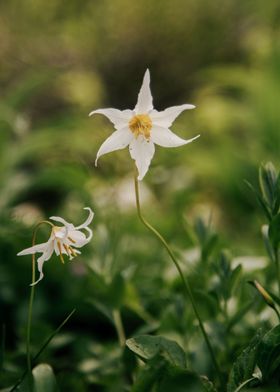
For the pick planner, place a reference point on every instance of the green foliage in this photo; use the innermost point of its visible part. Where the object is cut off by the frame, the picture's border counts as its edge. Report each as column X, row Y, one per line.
column 268, row 357
column 59, row 60
column 243, row 367
column 146, row 347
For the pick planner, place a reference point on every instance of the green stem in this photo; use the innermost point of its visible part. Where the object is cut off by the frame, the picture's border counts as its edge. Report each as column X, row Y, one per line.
column 119, row 327
column 43, row 348
column 244, row 384
column 185, row 281
column 30, row 306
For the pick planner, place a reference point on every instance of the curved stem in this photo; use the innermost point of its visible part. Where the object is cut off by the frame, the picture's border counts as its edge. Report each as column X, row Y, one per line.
column 30, row 306
column 119, row 327
column 186, row 285
column 244, row 384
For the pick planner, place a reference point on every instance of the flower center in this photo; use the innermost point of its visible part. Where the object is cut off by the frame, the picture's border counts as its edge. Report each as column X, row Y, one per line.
column 60, row 240
column 141, row 124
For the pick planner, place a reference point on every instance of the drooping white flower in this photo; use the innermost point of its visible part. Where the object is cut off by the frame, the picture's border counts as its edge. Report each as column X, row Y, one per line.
column 64, row 240
column 142, row 128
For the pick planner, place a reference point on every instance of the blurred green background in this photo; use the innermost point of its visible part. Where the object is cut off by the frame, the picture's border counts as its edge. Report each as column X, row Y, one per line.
column 60, row 60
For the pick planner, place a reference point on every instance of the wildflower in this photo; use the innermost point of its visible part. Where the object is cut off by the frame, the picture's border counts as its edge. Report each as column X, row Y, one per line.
column 142, row 128
column 64, row 240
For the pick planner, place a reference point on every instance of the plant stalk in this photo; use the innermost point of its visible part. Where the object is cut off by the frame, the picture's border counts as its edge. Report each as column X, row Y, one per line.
column 186, row 285
column 119, row 327
column 30, row 306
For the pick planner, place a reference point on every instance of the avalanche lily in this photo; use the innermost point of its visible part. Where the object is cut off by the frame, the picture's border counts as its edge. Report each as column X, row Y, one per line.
column 64, row 240
column 142, row 128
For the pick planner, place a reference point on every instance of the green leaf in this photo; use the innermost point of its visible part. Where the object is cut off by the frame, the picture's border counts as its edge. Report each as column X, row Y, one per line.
column 274, row 231
column 146, row 347
column 268, row 180
column 159, row 375
column 274, row 297
column 268, row 358
column 44, row 379
column 235, row 278
column 267, row 243
column 260, row 200
column 244, row 365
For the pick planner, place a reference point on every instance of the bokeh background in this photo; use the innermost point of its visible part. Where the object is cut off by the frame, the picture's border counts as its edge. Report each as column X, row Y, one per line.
column 60, row 60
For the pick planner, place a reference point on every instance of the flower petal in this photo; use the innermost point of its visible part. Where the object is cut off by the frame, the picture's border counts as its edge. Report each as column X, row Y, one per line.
column 167, row 116
column 142, row 151
column 44, row 257
column 33, row 249
column 165, row 138
column 88, row 220
column 117, row 141
column 77, row 238
column 119, row 118
column 145, row 98
column 60, row 220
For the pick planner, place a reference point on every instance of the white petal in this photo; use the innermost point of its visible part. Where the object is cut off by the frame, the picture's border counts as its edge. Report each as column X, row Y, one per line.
column 33, row 249
column 40, row 262
column 77, row 236
column 142, row 151
column 60, row 220
column 90, row 233
column 165, row 138
column 145, row 99
column 117, row 141
column 119, row 118
column 88, row 220
column 167, row 116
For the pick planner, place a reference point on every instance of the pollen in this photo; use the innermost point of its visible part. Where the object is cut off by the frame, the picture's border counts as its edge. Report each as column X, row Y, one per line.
column 141, row 124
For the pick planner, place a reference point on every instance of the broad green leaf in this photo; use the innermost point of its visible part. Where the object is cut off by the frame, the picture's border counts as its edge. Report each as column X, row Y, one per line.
column 244, row 365
column 146, row 347
column 44, row 379
column 160, row 375
column 268, row 357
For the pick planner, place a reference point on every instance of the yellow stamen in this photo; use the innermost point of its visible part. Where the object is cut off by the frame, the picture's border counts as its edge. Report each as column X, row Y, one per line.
column 60, row 251
column 72, row 251
column 71, row 239
column 141, row 124
column 66, row 247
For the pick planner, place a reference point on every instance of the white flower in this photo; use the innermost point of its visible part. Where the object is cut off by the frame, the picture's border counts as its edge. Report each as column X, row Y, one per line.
column 63, row 240
column 141, row 128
